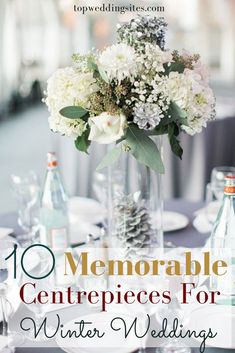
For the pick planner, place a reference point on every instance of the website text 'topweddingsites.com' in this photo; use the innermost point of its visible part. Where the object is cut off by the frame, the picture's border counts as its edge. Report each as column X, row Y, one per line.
column 83, row 9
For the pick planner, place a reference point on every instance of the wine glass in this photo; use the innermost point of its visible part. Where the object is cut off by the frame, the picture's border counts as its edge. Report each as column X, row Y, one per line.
column 26, row 189
column 4, row 347
column 173, row 311
column 143, row 311
column 7, row 281
column 42, row 283
column 136, row 284
column 218, row 175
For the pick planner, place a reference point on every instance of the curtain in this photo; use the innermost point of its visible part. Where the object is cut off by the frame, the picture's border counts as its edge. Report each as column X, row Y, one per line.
column 9, row 48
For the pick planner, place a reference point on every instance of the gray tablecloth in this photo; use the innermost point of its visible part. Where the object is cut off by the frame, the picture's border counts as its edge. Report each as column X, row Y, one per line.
column 186, row 237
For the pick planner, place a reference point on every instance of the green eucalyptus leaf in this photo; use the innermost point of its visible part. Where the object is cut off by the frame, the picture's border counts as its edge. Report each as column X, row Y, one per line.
column 178, row 67
column 161, row 129
column 174, row 67
column 110, row 158
column 103, row 75
column 174, row 143
column 74, row 112
column 92, row 65
column 176, row 114
column 144, row 149
column 82, row 143
column 121, row 139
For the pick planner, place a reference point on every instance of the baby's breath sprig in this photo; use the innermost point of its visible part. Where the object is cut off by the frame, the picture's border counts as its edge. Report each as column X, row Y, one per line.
column 143, row 29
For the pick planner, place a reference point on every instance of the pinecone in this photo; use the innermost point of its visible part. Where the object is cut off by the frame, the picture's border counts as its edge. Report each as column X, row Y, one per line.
column 147, row 115
column 133, row 225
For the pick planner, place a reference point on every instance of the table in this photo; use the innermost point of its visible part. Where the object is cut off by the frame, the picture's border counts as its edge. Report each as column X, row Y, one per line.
column 186, row 237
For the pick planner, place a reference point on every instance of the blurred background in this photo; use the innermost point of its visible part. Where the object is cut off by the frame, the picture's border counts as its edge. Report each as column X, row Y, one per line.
column 38, row 36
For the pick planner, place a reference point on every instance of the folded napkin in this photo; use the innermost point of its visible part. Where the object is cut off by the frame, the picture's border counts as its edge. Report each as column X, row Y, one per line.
column 80, row 230
column 202, row 224
column 206, row 217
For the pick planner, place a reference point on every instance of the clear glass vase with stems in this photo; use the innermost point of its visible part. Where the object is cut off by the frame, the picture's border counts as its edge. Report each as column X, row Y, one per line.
column 135, row 204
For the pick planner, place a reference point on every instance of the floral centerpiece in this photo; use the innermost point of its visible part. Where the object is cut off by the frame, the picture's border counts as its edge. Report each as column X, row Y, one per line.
column 129, row 95
column 129, row 92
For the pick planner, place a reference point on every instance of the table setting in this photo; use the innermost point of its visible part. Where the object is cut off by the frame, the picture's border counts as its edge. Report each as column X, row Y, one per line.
column 58, row 253
column 186, row 236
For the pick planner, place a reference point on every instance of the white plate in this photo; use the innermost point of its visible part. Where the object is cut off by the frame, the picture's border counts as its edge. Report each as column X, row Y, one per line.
column 174, row 221
column 31, row 259
column 221, row 319
column 5, row 231
column 111, row 342
column 86, row 210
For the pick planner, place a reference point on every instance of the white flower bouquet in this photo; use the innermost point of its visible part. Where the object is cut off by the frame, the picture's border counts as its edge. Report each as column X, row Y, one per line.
column 130, row 92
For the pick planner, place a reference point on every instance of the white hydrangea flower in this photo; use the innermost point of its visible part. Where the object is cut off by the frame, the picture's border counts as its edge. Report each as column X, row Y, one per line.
column 194, row 96
column 178, row 89
column 202, row 70
column 106, row 128
column 200, row 107
column 198, row 67
column 118, row 61
column 67, row 87
column 68, row 127
column 153, row 58
column 200, row 112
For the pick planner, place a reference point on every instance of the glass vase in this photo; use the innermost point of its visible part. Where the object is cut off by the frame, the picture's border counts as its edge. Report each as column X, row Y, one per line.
column 135, row 205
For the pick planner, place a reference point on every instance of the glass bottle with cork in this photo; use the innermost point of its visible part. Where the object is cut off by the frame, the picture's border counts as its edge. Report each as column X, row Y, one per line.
column 223, row 243
column 54, row 230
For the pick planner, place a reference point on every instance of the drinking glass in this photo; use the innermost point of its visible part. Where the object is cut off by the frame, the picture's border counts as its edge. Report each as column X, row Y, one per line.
column 215, row 191
column 174, row 310
column 44, row 283
column 218, row 175
column 137, row 284
column 26, row 190
column 14, row 339
column 4, row 347
column 171, row 312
